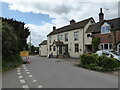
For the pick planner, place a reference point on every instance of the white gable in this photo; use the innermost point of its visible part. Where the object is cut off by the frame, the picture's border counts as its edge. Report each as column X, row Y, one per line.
column 105, row 24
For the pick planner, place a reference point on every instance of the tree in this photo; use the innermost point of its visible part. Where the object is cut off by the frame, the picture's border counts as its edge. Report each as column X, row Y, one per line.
column 14, row 36
column 95, row 43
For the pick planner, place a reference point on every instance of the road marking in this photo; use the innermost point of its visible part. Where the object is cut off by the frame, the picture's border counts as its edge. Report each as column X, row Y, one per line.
column 34, row 80
column 19, row 73
column 18, row 68
column 22, row 81
column 28, row 72
column 25, row 86
column 30, row 75
column 20, row 76
column 39, row 86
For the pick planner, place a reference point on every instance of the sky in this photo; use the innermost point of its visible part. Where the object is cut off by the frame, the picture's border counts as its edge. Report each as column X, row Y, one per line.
column 40, row 16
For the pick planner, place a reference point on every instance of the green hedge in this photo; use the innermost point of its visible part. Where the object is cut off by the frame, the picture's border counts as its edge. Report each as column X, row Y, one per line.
column 11, row 62
column 99, row 63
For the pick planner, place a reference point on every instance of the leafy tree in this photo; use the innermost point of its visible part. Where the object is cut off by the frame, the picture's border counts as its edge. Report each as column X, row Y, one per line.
column 95, row 43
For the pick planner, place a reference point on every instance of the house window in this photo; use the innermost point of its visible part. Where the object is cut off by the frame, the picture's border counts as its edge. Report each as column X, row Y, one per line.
column 105, row 29
column 107, row 46
column 76, row 47
column 75, row 36
column 61, row 37
column 50, row 39
column 66, row 37
column 53, row 48
column 50, row 48
column 110, row 46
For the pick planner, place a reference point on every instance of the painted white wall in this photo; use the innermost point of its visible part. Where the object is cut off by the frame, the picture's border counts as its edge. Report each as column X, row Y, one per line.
column 71, row 43
column 43, row 50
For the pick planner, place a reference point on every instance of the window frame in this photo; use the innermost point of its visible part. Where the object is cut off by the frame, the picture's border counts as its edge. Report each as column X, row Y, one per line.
column 109, row 45
column 66, row 37
column 76, row 36
column 76, row 47
column 105, row 29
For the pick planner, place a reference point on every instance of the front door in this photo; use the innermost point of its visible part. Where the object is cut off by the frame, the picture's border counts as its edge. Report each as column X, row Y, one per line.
column 60, row 50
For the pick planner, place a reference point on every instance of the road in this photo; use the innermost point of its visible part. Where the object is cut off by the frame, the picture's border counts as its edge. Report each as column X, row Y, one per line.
column 43, row 72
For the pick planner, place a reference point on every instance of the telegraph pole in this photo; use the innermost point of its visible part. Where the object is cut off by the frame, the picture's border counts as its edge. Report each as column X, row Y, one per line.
column 30, row 43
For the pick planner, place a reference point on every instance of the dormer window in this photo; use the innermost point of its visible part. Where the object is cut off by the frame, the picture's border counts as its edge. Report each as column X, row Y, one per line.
column 105, row 29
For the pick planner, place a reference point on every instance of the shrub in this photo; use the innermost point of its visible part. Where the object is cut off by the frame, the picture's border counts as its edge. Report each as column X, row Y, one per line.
column 99, row 63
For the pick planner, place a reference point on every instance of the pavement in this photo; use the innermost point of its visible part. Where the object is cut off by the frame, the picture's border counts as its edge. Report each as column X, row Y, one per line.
column 43, row 72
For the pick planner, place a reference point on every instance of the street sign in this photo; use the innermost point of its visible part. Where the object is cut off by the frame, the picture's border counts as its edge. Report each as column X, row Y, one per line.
column 24, row 53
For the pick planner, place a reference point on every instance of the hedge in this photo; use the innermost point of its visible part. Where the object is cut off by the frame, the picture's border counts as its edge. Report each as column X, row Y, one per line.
column 99, row 63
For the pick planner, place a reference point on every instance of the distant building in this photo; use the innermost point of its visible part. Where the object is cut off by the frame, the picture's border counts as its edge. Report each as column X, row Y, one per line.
column 43, row 48
column 108, row 31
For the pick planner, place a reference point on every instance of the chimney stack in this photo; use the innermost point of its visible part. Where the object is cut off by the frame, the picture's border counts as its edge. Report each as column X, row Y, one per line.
column 72, row 22
column 101, row 15
column 54, row 28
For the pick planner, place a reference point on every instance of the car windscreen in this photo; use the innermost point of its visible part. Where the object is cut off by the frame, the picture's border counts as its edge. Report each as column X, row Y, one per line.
column 116, row 53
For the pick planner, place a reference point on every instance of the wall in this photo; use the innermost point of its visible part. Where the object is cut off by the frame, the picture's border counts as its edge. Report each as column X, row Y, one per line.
column 43, row 50
column 71, row 43
column 108, row 38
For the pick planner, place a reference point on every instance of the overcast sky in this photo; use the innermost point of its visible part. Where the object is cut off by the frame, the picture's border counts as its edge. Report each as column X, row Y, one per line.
column 41, row 16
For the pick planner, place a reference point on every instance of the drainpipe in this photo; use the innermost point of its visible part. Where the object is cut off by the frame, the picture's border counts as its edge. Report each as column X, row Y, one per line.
column 83, row 40
column 114, row 40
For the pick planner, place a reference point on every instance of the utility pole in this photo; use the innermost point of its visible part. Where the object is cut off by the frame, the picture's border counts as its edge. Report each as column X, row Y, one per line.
column 30, row 43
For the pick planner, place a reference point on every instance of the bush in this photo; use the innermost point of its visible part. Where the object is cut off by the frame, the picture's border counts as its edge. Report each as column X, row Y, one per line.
column 11, row 62
column 99, row 63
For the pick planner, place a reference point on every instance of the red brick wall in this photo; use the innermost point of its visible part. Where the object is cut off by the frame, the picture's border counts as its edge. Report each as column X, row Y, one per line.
column 107, row 38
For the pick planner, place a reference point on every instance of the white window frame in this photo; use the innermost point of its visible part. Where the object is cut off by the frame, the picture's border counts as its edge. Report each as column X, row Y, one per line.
column 104, row 46
column 66, row 36
column 76, row 35
column 105, row 29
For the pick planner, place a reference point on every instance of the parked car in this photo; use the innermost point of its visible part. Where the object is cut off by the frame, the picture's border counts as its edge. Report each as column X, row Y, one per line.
column 111, row 54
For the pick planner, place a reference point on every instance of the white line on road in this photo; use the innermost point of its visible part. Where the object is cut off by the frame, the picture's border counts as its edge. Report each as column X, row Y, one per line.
column 34, row 80
column 22, row 81
column 19, row 73
column 25, row 86
column 20, row 76
column 18, row 68
column 28, row 72
column 30, row 75
column 39, row 86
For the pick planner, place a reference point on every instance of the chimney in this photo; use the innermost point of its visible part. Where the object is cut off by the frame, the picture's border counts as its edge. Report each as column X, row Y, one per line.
column 54, row 28
column 72, row 22
column 101, row 15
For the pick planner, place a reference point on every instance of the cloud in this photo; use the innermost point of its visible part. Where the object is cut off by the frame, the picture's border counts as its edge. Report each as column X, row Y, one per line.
column 62, row 11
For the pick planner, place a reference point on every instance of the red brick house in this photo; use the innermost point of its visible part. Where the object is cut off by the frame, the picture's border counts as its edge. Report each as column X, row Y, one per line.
column 108, row 31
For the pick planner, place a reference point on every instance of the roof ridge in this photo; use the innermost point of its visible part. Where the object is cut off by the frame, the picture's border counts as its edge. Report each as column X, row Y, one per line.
column 75, row 23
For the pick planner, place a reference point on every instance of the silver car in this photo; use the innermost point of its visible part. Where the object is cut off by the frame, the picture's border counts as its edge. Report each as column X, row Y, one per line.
column 112, row 54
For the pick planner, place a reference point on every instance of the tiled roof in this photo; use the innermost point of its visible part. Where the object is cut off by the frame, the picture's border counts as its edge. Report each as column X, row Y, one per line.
column 114, row 23
column 43, row 42
column 77, row 25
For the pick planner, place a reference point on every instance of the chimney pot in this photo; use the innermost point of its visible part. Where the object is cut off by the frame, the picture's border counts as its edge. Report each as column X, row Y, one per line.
column 54, row 28
column 72, row 22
